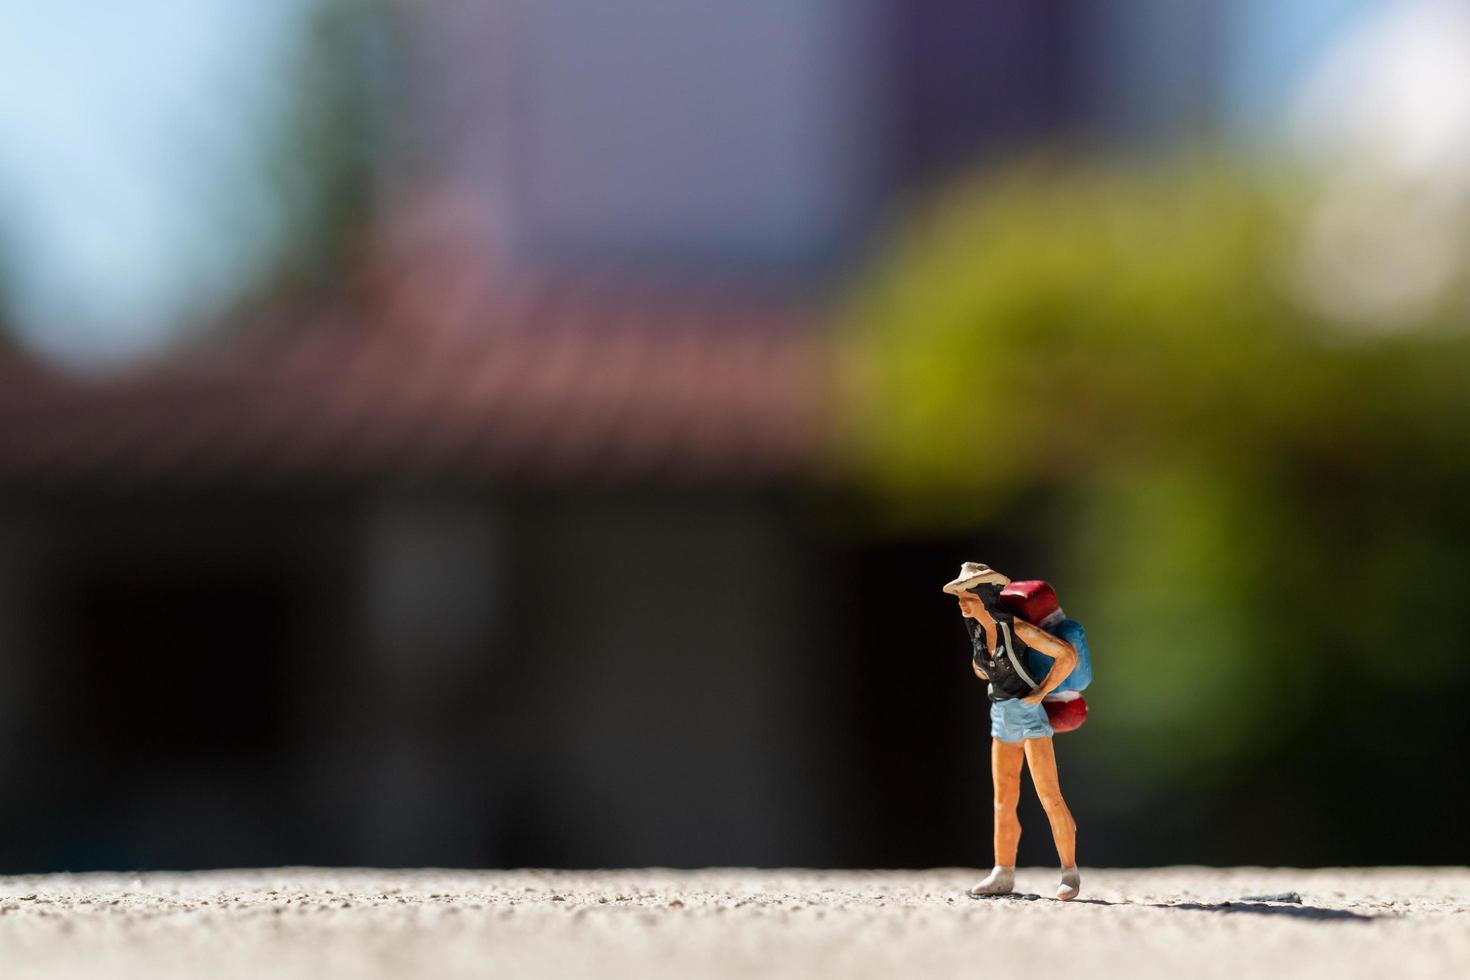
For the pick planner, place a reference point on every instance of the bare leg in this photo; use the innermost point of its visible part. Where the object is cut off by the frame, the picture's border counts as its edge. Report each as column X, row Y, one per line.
column 1043, row 762
column 1005, row 772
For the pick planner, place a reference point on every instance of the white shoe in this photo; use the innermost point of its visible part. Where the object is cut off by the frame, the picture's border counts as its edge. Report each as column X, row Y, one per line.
column 1070, row 886
column 1000, row 881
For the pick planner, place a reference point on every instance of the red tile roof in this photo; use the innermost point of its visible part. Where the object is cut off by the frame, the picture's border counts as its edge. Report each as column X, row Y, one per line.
column 550, row 388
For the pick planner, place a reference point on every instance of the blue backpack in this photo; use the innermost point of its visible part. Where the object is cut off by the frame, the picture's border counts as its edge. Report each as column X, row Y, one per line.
column 1081, row 676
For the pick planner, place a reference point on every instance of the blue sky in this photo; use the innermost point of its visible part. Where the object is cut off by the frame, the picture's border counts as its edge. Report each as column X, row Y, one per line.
column 132, row 135
column 1270, row 45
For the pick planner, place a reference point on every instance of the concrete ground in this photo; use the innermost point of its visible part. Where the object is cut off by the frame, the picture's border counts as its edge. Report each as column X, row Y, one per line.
column 321, row 924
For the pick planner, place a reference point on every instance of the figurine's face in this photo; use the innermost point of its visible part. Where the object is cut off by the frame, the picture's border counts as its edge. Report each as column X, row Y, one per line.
column 970, row 604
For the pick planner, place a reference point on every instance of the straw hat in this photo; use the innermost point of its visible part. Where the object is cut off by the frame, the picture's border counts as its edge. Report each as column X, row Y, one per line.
column 972, row 573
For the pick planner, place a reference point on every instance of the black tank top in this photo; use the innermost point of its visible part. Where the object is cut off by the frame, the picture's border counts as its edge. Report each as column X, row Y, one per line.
column 1007, row 666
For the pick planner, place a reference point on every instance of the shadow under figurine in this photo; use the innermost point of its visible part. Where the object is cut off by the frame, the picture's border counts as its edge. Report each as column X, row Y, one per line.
column 1036, row 663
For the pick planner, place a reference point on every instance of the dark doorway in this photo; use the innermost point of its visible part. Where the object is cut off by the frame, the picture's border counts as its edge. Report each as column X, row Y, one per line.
column 172, row 682
column 182, row 666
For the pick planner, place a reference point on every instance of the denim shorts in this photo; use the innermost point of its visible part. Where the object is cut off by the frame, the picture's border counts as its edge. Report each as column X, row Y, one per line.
column 1012, row 720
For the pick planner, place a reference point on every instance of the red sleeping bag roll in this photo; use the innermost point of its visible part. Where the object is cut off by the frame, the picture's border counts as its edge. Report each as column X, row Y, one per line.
column 1036, row 602
column 1066, row 711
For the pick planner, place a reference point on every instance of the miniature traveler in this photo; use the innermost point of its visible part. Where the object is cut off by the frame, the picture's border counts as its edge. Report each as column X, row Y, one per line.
column 1019, row 727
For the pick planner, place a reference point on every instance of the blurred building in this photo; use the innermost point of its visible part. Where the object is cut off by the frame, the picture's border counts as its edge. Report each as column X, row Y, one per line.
column 505, row 551
column 770, row 141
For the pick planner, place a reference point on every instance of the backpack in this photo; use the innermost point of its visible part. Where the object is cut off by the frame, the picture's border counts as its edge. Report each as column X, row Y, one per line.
column 1036, row 603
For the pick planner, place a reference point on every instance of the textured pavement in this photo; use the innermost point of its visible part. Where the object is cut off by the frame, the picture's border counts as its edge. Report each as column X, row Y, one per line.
column 364, row 924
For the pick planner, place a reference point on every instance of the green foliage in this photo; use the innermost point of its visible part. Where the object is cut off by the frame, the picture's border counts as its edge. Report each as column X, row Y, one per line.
column 1250, row 507
column 333, row 135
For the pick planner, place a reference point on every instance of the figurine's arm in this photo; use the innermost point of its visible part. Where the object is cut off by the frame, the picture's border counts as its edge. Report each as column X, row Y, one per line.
column 978, row 672
column 1063, row 654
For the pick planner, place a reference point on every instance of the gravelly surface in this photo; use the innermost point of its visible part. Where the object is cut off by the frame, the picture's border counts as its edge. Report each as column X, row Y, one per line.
column 299, row 923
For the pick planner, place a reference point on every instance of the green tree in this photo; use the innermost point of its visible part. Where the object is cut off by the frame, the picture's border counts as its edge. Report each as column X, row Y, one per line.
column 333, row 137
column 1245, row 504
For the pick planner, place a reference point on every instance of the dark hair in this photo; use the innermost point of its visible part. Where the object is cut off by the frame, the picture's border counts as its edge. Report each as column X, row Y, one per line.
column 989, row 594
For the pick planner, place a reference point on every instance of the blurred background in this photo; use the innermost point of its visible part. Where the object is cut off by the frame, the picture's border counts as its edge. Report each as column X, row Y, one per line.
column 535, row 432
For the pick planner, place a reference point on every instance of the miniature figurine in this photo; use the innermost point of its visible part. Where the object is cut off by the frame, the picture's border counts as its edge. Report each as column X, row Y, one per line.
column 1020, row 729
